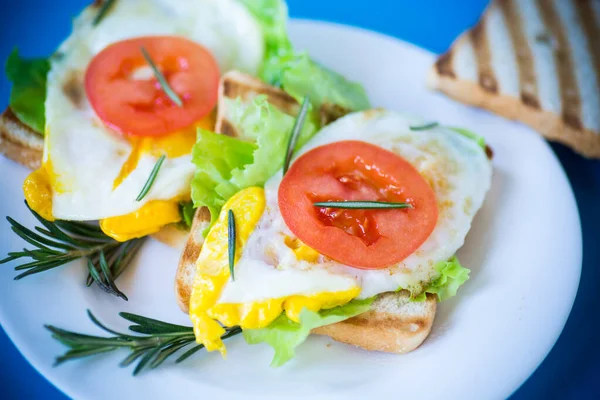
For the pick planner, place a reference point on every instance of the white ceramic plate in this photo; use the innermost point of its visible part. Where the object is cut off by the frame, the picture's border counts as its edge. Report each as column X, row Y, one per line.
column 524, row 252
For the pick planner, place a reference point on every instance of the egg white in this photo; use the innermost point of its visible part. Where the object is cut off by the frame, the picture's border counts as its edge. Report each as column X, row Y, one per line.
column 85, row 156
column 269, row 269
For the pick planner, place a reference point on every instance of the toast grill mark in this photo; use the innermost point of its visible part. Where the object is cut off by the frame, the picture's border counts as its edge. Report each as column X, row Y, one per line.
column 487, row 79
column 230, row 90
column 591, row 29
column 331, row 112
column 444, row 65
column 525, row 62
column 586, row 73
column 226, row 128
column 569, row 92
column 279, row 98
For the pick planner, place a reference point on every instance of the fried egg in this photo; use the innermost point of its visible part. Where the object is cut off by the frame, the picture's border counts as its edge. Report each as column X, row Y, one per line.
column 275, row 272
column 92, row 173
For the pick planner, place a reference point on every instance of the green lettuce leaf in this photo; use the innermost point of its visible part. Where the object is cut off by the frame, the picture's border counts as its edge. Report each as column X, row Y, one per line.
column 28, row 92
column 225, row 165
column 186, row 210
column 300, row 76
column 452, row 276
column 272, row 16
column 471, row 135
column 284, row 335
column 216, row 156
column 295, row 72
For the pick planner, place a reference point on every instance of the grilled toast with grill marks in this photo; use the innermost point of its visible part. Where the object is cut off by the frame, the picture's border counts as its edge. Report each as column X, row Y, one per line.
column 536, row 61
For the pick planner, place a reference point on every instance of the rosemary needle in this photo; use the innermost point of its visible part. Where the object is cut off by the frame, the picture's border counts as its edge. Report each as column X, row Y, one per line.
column 425, row 127
column 151, row 178
column 231, row 241
column 106, row 5
column 298, row 124
column 162, row 80
column 362, row 205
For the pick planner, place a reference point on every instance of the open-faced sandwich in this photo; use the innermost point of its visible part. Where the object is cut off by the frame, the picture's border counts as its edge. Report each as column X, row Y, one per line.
column 309, row 211
column 353, row 237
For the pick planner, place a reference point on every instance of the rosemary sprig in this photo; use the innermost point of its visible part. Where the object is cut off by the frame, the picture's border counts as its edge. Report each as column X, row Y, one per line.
column 231, row 241
column 362, row 205
column 298, row 124
column 425, row 127
column 151, row 178
column 160, row 341
column 104, row 8
column 60, row 242
column 162, row 80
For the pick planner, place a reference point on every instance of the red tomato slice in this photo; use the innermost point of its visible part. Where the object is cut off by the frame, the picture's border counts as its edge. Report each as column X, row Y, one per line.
column 354, row 170
column 135, row 106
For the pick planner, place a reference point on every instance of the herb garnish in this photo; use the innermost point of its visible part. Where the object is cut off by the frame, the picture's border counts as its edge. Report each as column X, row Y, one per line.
column 298, row 124
column 106, row 5
column 151, row 178
column 162, row 80
column 231, row 241
column 60, row 242
column 161, row 340
column 364, row 205
column 425, row 127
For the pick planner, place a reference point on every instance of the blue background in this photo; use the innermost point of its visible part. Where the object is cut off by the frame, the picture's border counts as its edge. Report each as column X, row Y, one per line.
column 571, row 370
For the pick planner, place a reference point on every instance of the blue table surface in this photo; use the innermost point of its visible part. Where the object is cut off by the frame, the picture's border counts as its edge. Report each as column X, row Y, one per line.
column 571, row 370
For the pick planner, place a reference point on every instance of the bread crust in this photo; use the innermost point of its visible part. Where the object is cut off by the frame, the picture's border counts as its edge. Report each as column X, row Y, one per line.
column 550, row 125
column 483, row 89
column 398, row 328
column 186, row 270
column 19, row 142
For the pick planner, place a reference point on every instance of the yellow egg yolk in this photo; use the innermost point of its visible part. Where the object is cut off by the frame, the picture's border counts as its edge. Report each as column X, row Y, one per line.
column 150, row 218
column 212, row 275
column 302, row 251
column 147, row 220
column 37, row 189
column 173, row 145
column 212, row 265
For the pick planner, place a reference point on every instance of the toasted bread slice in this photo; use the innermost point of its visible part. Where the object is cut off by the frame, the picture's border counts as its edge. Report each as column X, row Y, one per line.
column 19, row 142
column 536, row 62
column 394, row 324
